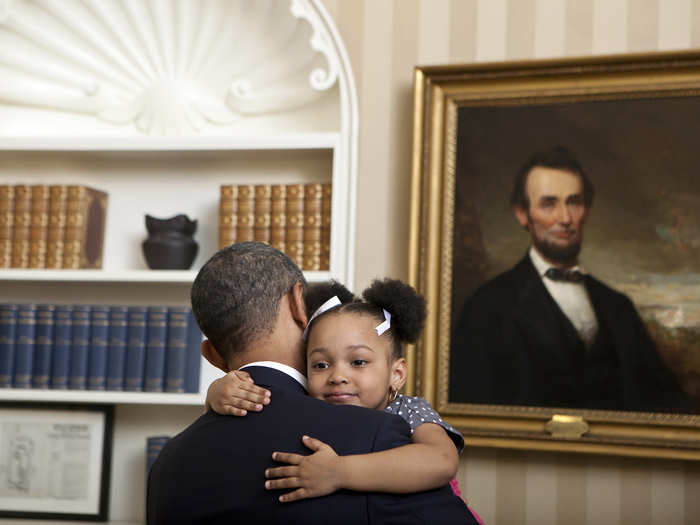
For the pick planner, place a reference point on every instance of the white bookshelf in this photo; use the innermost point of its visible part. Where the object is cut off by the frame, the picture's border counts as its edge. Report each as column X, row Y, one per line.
column 290, row 126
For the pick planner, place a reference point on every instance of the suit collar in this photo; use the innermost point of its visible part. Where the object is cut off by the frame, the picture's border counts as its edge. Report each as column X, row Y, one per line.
column 292, row 372
column 273, row 377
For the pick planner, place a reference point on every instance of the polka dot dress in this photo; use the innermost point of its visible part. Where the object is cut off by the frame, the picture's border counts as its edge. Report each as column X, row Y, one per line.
column 416, row 411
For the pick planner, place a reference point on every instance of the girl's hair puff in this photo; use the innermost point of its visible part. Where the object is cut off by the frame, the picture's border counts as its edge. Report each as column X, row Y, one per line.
column 406, row 306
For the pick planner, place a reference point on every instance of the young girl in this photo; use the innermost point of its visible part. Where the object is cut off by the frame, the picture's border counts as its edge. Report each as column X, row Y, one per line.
column 354, row 352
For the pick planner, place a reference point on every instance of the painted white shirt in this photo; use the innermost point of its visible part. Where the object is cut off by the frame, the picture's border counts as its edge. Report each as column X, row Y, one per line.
column 572, row 298
column 286, row 369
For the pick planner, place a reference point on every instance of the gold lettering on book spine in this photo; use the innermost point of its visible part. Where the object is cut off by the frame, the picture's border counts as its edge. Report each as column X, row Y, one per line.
column 246, row 213
column 262, row 211
column 278, row 216
column 58, row 196
column 7, row 221
column 40, row 225
column 312, row 227
column 22, row 226
column 295, row 223
column 228, row 215
column 326, row 226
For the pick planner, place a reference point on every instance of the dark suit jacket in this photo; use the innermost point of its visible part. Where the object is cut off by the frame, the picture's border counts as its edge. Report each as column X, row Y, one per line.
column 213, row 472
column 513, row 345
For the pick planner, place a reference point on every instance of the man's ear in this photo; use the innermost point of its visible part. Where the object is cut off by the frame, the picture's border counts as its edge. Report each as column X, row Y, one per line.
column 521, row 215
column 297, row 305
column 211, row 355
column 399, row 373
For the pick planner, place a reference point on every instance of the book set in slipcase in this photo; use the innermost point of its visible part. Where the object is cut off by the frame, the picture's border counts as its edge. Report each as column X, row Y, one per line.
column 56, row 226
column 294, row 218
column 83, row 347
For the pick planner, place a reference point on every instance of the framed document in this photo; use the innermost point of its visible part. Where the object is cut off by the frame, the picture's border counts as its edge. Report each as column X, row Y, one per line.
column 55, row 461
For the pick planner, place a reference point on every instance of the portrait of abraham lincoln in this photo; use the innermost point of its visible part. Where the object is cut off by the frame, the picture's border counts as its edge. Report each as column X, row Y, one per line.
column 576, row 255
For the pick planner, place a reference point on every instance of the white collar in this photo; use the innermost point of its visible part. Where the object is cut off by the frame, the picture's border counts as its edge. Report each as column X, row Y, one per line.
column 541, row 265
column 286, row 369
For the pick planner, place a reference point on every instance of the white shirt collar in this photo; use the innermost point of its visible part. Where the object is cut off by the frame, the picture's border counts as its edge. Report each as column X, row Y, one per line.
column 286, row 369
column 541, row 265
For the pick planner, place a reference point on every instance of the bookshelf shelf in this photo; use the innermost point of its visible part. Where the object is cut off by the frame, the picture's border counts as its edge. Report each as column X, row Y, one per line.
column 288, row 141
column 98, row 397
column 129, row 276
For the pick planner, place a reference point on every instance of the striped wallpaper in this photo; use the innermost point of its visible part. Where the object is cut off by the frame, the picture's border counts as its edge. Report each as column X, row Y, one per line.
column 385, row 39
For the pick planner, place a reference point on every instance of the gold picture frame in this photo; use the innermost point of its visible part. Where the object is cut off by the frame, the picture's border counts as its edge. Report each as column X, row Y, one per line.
column 605, row 89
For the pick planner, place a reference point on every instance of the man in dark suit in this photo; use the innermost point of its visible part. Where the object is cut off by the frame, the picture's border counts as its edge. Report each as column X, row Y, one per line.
column 248, row 301
column 545, row 333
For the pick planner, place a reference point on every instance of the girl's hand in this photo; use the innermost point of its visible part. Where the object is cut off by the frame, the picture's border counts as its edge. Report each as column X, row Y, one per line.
column 316, row 475
column 235, row 394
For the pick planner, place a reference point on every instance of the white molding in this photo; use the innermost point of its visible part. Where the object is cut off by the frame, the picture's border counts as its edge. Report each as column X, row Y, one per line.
column 329, row 140
column 102, row 276
column 346, row 169
column 165, row 68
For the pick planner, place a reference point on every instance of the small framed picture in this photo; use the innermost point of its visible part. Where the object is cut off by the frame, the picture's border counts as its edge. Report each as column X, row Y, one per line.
column 55, row 461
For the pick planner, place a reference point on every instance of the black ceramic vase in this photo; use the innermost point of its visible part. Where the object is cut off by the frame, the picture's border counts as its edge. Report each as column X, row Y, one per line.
column 170, row 245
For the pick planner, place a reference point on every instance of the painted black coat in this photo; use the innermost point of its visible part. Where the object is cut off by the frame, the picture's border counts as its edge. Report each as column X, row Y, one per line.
column 513, row 345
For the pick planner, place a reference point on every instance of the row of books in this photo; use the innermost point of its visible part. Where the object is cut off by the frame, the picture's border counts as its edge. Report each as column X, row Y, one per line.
column 294, row 218
column 57, row 226
column 83, row 347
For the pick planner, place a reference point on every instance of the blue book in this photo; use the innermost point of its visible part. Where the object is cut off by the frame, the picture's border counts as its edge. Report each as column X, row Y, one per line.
column 43, row 346
column 97, row 353
column 193, row 359
column 135, row 348
column 8, row 327
column 62, row 338
column 116, row 347
column 80, row 345
column 176, row 349
column 154, row 444
column 156, row 333
column 24, row 346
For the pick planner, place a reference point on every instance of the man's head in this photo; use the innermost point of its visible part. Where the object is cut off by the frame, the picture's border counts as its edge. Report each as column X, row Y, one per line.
column 551, row 198
column 237, row 294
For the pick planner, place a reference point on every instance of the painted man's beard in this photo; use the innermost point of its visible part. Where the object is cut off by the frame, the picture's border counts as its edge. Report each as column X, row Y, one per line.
column 565, row 255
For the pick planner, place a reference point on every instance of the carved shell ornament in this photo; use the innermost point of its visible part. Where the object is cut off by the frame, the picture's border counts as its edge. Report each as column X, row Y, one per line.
column 164, row 66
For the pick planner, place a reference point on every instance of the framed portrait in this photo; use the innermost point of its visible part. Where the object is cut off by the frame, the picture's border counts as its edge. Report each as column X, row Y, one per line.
column 55, row 461
column 555, row 233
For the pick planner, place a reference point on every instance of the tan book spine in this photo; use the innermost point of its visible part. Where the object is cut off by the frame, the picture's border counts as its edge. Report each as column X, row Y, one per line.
column 58, row 196
column 313, row 195
column 86, row 210
column 7, row 221
column 228, row 215
column 327, row 190
column 246, row 213
column 263, row 208
column 40, row 226
column 278, row 222
column 22, row 226
column 294, row 233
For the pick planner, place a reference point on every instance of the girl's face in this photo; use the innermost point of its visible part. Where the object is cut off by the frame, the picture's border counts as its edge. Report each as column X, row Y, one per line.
column 349, row 364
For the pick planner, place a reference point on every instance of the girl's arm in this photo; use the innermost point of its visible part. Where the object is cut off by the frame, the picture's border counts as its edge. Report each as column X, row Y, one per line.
column 235, row 394
column 429, row 462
